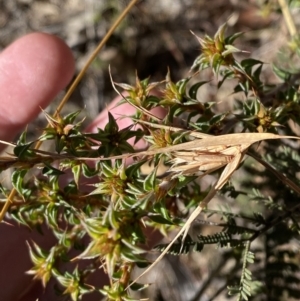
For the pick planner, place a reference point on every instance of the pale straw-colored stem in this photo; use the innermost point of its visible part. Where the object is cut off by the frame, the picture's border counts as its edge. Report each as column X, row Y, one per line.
column 288, row 17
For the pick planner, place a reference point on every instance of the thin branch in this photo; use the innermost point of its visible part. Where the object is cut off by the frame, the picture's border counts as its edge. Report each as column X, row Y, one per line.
column 288, row 17
column 203, row 222
column 212, row 211
column 275, row 222
column 280, row 176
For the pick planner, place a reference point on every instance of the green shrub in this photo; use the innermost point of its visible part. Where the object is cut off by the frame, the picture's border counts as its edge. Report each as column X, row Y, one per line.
column 106, row 226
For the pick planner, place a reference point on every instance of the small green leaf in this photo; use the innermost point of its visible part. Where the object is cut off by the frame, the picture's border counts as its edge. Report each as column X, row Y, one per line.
column 51, row 171
column 232, row 38
column 23, row 151
column 17, row 180
column 22, row 138
column 150, row 181
column 250, row 260
column 76, row 170
column 218, row 118
column 250, row 63
column 161, row 209
column 128, row 255
column 194, row 89
column 159, row 219
column 233, row 290
column 282, row 74
column 107, row 170
column 138, row 286
column 182, row 85
column 244, row 296
column 111, row 126
column 71, row 117
column 88, row 171
column 60, row 143
column 229, row 50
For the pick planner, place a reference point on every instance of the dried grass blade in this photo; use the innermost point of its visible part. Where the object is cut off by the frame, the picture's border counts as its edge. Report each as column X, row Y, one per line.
column 237, row 145
column 207, row 143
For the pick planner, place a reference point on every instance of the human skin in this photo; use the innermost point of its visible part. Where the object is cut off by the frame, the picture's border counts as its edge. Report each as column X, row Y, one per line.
column 33, row 70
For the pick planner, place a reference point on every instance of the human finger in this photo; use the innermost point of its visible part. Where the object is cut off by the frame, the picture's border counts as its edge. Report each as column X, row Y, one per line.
column 33, row 70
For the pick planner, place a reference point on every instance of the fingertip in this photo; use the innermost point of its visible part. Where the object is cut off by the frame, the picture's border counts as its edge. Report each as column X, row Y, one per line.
column 45, row 55
column 33, row 70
